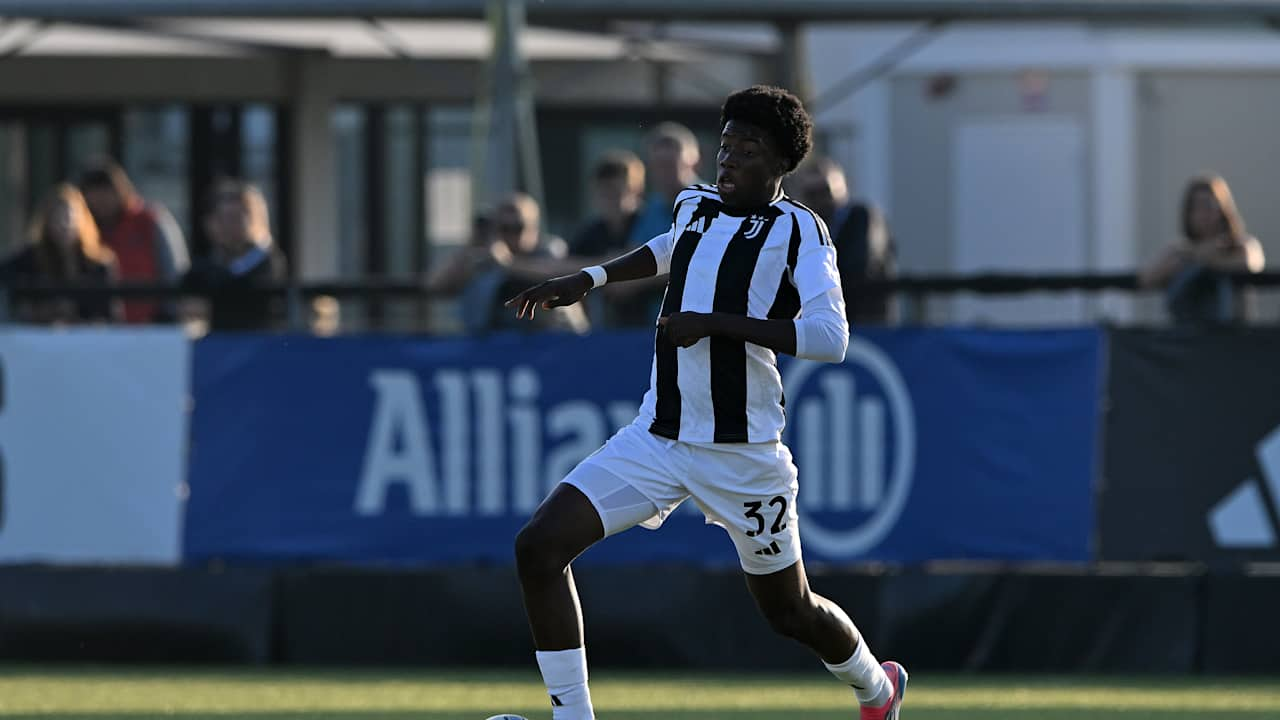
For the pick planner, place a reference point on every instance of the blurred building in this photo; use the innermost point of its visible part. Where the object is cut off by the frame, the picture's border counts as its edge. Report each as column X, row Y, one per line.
column 1055, row 147
column 359, row 131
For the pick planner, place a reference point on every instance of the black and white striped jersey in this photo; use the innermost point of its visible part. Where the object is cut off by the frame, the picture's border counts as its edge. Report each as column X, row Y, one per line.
column 764, row 263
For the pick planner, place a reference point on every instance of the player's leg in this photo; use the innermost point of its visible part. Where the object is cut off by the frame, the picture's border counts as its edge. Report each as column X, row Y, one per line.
column 751, row 493
column 600, row 497
column 795, row 611
column 562, row 527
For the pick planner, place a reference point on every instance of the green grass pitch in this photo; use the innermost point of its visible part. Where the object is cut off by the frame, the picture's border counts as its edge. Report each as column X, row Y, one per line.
column 273, row 694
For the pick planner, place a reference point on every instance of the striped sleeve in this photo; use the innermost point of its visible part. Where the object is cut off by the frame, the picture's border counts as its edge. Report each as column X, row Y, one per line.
column 822, row 331
column 816, row 270
column 662, row 246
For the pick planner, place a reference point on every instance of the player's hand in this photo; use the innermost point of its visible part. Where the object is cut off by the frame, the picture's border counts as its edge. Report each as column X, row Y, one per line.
column 686, row 328
column 553, row 293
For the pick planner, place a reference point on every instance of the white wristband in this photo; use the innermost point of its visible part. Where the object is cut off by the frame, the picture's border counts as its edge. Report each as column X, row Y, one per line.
column 598, row 275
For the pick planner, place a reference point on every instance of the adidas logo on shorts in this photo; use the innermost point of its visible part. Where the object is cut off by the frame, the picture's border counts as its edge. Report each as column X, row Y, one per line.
column 773, row 549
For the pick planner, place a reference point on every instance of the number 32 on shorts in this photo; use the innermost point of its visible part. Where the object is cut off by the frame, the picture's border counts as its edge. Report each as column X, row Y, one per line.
column 779, row 519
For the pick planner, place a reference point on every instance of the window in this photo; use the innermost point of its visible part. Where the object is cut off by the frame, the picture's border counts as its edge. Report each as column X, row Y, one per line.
column 156, row 156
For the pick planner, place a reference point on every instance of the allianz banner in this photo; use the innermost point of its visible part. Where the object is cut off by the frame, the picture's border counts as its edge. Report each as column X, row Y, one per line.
column 923, row 444
column 93, row 430
column 1192, row 461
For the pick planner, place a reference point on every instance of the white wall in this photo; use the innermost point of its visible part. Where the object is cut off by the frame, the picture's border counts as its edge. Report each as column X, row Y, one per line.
column 1132, row 148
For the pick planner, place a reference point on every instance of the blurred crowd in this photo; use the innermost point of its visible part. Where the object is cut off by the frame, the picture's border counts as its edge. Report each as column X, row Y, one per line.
column 633, row 201
column 99, row 231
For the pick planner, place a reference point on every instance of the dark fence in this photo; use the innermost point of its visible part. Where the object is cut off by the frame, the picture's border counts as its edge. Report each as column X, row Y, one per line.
column 1145, row 619
column 913, row 291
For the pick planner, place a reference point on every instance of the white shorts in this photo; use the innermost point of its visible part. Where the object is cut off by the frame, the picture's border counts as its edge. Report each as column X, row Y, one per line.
column 638, row 478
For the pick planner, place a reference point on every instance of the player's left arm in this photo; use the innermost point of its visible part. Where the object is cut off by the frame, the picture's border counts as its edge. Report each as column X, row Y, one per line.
column 687, row 328
column 820, row 333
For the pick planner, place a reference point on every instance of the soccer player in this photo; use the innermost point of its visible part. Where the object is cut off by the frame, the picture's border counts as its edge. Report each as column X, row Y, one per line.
column 751, row 274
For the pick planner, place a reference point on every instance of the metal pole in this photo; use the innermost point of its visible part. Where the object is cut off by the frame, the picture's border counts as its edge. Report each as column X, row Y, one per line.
column 525, row 115
column 481, row 122
column 506, row 152
column 793, row 65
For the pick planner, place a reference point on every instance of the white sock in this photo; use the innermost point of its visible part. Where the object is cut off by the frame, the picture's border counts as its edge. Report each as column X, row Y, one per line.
column 565, row 674
column 861, row 672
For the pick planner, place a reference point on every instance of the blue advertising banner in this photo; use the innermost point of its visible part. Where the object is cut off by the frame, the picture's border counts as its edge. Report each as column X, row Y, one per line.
column 923, row 445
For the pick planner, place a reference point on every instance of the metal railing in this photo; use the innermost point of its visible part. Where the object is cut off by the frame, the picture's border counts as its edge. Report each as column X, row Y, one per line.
column 913, row 291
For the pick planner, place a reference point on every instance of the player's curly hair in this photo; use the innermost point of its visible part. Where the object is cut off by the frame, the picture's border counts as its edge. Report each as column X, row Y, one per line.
column 777, row 112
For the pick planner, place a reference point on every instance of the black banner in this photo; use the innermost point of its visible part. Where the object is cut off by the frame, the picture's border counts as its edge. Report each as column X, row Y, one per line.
column 1191, row 467
column 2, row 396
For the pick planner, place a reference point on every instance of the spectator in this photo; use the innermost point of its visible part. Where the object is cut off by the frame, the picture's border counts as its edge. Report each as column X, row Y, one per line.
column 618, row 188
column 244, row 256
column 499, row 264
column 864, row 247
column 64, row 249
column 672, row 157
column 673, row 162
column 451, row 276
column 146, row 240
column 1195, row 272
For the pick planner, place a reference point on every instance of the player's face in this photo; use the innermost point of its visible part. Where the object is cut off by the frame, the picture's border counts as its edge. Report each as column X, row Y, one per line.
column 749, row 166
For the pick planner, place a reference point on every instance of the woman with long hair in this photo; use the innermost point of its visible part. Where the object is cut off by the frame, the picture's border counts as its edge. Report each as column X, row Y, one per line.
column 64, row 248
column 1196, row 271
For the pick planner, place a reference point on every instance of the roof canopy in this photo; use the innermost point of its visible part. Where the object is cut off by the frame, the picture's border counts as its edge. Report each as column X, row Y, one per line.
column 796, row 10
column 351, row 38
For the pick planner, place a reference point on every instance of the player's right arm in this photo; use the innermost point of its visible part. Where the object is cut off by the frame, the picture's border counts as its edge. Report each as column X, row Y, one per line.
column 569, row 289
column 652, row 258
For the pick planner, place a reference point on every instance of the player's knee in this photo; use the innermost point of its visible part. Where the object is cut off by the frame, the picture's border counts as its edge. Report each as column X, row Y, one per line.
column 791, row 619
column 536, row 553
column 528, row 547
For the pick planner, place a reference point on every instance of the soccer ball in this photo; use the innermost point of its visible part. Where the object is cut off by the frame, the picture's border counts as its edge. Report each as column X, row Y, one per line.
column 507, row 717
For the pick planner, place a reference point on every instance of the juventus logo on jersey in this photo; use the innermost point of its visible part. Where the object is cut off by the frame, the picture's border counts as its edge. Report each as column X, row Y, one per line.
column 757, row 224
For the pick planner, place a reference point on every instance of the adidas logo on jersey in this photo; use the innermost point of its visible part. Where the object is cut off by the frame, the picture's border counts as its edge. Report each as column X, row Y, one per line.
column 698, row 224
